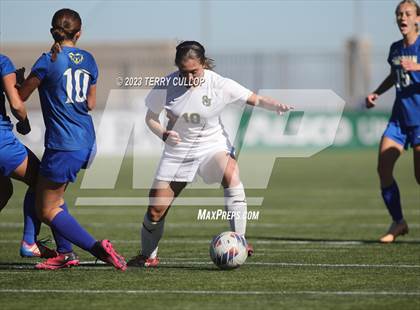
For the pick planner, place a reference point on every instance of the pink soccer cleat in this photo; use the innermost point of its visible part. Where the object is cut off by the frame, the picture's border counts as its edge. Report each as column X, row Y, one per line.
column 106, row 253
column 64, row 260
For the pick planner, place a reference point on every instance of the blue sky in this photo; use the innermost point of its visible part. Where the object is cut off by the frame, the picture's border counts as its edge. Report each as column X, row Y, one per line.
column 221, row 25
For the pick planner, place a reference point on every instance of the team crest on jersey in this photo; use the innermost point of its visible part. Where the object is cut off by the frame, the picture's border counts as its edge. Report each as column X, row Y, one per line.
column 206, row 101
column 76, row 58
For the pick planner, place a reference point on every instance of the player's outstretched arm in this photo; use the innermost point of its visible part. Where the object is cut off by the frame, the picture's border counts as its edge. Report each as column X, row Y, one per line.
column 16, row 104
column 383, row 87
column 268, row 103
column 170, row 137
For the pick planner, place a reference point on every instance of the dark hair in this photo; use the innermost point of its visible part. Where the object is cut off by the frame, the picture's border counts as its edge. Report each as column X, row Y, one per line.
column 192, row 49
column 65, row 24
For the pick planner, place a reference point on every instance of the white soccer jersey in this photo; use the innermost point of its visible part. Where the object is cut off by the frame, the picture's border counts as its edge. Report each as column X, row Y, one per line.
column 195, row 112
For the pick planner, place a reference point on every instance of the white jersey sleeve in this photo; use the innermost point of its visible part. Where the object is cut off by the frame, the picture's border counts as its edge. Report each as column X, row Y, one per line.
column 156, row 99
column 233, row 91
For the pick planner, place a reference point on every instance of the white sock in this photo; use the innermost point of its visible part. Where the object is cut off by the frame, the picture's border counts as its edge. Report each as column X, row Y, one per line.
column 235, row 201
column 151, row 232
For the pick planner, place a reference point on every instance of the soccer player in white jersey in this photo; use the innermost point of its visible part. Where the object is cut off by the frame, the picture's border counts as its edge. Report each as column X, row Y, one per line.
column 196, row 142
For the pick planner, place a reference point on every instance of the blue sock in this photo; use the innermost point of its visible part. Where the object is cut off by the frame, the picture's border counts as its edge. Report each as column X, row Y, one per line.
column 63, row 245
column 31, row 223
column 67, row 226
column 391, row 196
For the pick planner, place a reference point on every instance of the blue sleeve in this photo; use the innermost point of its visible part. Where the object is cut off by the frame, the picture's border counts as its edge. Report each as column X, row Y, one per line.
column 6, row 66
column 40, row 68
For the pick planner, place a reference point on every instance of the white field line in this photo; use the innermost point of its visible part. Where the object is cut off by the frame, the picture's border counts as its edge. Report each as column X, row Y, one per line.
column 218, row 224
column 205, row 241
column 188, row 262
column 212, row 292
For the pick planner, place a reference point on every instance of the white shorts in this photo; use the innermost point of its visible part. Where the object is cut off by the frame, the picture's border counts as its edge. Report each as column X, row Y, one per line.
column 175, row 168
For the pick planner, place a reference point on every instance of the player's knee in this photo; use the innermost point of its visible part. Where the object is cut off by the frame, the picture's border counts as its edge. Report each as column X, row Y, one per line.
column 155, row 214
column 45, row 215
column 42, row 215
column 231, row 178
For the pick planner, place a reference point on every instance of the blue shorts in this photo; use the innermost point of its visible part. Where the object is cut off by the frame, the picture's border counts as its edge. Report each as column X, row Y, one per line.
column 12, row 152
column 63, row 166
column 406, row 136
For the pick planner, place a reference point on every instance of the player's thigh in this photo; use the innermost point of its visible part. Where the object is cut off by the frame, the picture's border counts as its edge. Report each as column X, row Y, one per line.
column 6, row 191
column 416, row 154
column 27, row 171
column 220, row 167
column 49, row 198
column 389, row 152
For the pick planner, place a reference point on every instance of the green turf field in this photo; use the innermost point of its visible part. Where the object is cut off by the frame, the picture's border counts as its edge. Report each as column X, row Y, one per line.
column 315, row 244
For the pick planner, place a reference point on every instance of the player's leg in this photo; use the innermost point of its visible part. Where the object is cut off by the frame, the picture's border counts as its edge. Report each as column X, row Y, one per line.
column 56, row 170
column 6, row 191
column 161, row 197
column 235, row 199
column 222, row 167
column 27, row 172
column 389, row 152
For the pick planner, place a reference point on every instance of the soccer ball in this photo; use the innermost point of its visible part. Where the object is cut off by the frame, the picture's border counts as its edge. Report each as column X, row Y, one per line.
column 228, row 250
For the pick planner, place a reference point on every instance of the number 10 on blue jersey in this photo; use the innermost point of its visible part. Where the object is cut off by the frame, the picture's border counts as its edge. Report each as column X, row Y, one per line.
column 81, row 83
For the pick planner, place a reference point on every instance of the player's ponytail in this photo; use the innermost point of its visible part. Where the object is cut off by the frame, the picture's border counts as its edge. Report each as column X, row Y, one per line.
column 65, row 24
column 193, row 49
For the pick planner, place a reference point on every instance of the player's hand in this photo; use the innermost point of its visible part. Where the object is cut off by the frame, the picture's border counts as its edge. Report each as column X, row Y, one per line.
column 20, row 76
column 171, row 137
column 370, row 100
column 409, row 65
column 282, row 108
column 23, row 127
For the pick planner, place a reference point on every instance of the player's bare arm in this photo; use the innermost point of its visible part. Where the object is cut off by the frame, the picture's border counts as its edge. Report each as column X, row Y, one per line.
column 387, row 83
column 171, row 137
column 91, row 98
column 268, row 104
column 31, row 83
column 16, row 104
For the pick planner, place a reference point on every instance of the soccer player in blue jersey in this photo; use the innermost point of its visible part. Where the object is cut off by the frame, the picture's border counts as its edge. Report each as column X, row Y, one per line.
column 66, row 81
column 404, row 125
column 18, row 162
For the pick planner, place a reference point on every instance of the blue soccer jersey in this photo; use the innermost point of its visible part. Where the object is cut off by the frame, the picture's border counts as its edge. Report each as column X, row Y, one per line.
column 6, row 67
column 63, row 95
column 406, row 108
